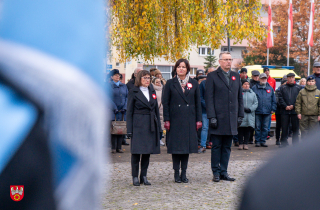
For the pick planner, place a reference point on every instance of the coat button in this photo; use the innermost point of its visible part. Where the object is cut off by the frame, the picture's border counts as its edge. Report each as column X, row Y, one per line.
column 187, row 104
column 179, row 105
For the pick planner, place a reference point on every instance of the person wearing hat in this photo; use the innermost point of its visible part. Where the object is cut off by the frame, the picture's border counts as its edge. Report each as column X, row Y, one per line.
column 287, row 98
column 250, row 104
column 308, row 107
column 316, row 73
column 266, row 105
column 199, row 72
column 243, row 73
column 254, row 78
column 278, row 113
column 119, row 96
column 271, row 81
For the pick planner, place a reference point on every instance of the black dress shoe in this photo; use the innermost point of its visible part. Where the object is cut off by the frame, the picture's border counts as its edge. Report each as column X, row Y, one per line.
column 144, row 180
column 135, row 181
column 270, row 134
column 216, row 178
column 263, row 145
column 226, row 177
column 184, row 176
column 177, row 177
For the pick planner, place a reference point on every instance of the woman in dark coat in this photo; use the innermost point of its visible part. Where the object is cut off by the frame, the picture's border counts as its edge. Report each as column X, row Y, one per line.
column 119, row 97
column 182, row 116
column 143, row 125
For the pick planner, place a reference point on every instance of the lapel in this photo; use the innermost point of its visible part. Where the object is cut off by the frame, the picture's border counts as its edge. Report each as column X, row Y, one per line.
column 222, row 77
column 232, row 82
column 177, row 85
column 141, row 97
column 187, row 91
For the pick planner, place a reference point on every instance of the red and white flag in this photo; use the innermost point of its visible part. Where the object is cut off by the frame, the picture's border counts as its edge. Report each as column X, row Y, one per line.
column 310, row 35
column 290, row 23
column 270, row 27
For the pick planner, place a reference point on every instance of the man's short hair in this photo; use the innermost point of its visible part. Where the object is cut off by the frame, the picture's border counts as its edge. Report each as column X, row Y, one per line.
column 243, row 70
column 223, row 53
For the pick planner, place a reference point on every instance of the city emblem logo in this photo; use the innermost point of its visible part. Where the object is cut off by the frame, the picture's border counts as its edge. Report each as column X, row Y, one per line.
column 154, row 96
column 189, row 85
column 16, row 192
column 233, row 78
column 268, row 91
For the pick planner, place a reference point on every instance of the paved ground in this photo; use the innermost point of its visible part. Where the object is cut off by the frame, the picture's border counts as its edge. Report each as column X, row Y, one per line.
column 199, row 193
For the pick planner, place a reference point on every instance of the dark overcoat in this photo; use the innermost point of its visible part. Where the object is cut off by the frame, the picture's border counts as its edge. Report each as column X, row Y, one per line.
column 224, row 102
column 183, row 110
column 143, row 121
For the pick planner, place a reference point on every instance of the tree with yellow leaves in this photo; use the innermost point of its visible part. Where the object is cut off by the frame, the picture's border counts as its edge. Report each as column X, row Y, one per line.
column 146, row 29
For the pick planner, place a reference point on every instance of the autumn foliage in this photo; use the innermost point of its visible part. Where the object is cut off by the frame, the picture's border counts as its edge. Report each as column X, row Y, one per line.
column 299, row 50
column 147, row 29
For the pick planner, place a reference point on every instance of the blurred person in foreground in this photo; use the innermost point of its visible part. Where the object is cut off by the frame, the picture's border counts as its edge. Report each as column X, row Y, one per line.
column 308, row 107
column 143, row 126
column 290, row 180
column 53, row 109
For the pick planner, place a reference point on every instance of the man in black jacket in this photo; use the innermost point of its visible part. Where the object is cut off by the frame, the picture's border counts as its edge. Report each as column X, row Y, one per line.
column 255, row 78
column 287, row 98
column 224, row 105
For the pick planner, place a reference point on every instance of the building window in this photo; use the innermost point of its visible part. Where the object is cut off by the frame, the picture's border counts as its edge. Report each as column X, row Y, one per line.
column 193, row 71
column 117, row 64
column 225, row 49
column 204, row 51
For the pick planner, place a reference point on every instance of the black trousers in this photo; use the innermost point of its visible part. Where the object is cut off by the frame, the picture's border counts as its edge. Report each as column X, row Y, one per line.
column 116, row 141
column 220, row 153
column 135, row 160
column 251, row 135
column 178, row 159
column 285, row 123
column 278, row 126
column 244, row 134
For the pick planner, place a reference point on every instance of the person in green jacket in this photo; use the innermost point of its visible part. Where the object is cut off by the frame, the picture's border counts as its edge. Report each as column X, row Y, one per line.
column 308, row 107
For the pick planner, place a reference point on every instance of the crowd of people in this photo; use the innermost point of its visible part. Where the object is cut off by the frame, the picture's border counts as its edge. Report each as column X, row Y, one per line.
column 209, row 111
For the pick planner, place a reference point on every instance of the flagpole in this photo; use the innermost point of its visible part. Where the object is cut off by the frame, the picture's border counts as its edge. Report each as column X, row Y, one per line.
column 309, row 61
column 288, row 56
column 267, row 56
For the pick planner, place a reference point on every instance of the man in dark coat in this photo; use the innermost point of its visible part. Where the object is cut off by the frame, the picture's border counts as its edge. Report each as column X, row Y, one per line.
column 130, row 84
column 289, row 181
column 255, row 78
column 287, row 99
column 225, row 112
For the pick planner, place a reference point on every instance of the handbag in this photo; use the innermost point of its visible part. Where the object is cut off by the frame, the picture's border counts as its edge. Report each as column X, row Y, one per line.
column 118, row 127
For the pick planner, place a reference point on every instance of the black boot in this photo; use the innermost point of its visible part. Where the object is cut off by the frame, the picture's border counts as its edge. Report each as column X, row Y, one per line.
column 144, row 180
column 135, row 181
column 177, row 176
column 184, row 176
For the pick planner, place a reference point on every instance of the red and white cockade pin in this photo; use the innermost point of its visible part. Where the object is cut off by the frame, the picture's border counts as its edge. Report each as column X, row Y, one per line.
column 233, row 78
column 154, row 96
column 268, row 91
column 189, row 85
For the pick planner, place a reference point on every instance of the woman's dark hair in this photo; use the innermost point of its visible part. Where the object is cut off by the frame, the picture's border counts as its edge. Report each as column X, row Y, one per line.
column 132, row 76
column 180, row 61
column 173, row 73
column 141, row 73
